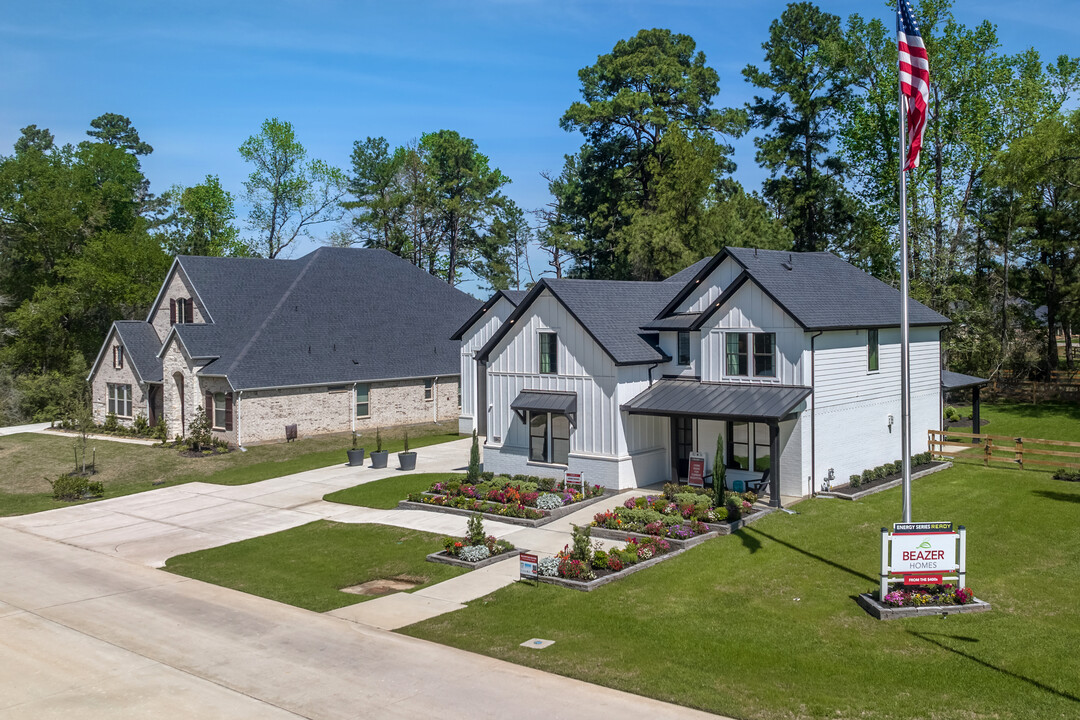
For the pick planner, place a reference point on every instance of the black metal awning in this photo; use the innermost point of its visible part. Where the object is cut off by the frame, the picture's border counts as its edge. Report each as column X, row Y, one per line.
column 552, row 401
column 954, row 381
column 728, row 401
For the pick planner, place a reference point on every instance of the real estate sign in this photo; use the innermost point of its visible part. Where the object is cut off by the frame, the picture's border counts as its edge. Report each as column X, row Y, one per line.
column 696, row 474
column 575, row 480
column 923, row 553
column 528, row 566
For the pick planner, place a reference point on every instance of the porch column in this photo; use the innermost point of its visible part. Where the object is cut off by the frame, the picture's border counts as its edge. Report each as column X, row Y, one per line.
column 774, row 464
column 975, row 424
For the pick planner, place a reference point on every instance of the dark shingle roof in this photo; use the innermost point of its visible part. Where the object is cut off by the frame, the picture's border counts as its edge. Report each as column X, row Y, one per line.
column 141, row 345
column 514, row 297
column 670, row 396
column 334, row 316
column 687, row 274
column 954, row 381
column 821, row 291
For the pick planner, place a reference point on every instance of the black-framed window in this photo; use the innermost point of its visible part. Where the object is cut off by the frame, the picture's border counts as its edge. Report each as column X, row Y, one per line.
column 738, row 445
column 737, row 357
column 119, row 400
column 761, row 447
column 765, row 354
column 684, row 347
column 363, row 400
column 871, row 350
column 549, row 345
column 549, row 438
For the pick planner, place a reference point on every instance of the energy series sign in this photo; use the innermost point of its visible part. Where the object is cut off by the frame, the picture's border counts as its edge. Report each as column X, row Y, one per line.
column 923, row 553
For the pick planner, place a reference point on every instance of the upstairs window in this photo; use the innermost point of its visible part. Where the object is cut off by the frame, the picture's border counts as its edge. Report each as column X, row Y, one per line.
column 872, row 350
column 737, row 356
column 765, row 354
column 684, row 347
column 118, row 357
column 548, row 353
column 181, row 310
column 429, row 388
column 363, row 408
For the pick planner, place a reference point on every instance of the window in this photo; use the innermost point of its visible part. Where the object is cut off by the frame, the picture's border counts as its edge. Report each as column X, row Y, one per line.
column 737, row 358
column 429, row 388
column 684, row 347
column 739, row 445
column 118, row 356
column 120, row 400
column 219, row 410
column 764, row 354
column 549, row 438
column 548, row 355
column 363, row 408
column 871, row 350
column 761, row 447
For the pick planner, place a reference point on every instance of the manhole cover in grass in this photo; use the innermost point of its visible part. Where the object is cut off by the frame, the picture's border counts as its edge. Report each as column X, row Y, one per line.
column 383, row 586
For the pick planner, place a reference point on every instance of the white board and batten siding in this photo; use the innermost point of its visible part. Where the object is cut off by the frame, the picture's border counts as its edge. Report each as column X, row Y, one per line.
column 751, row 310
column 474, row 339
column 853, row 404
column 701, row 297
column 584, row 368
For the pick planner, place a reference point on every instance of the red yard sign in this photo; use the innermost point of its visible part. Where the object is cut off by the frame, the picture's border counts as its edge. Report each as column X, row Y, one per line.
column 696, row 474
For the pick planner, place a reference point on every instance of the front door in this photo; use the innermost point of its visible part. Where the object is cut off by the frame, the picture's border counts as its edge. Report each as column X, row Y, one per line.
column 683, row 442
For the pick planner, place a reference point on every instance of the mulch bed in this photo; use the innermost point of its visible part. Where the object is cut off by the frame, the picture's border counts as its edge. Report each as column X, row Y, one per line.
column 848, row 492
column 963, row 423
column 549, row 515
column 715, row 530
column 881, row 611
column 446, row 559
column 605, row 576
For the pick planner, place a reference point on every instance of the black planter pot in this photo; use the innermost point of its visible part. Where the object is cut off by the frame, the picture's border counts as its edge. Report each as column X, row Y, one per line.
column 378, row 459
column 356, row 457
column 407, row 460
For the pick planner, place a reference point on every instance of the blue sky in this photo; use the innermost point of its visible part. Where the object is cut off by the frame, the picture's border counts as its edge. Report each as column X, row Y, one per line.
column 197, row 78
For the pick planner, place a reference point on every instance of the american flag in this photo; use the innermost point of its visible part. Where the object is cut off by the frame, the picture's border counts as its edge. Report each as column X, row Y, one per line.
column 914, row 78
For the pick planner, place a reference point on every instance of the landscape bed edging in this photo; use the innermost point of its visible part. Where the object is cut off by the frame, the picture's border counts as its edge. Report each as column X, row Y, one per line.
column 715, row 530
column 590, row 585
column 442, row 557
column 525, row 522
column 942, row 465
column 882, row 611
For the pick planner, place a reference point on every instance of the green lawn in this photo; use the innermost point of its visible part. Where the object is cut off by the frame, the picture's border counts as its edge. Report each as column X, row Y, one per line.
column 762, row 623
column 30, row 460
column 388, row 492
column 1045, row 421
column 308, row 565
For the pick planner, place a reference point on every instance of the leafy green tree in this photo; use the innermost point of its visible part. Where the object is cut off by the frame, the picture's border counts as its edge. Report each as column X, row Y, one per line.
column 807, row 93
column 202, row 221
column 288, row 194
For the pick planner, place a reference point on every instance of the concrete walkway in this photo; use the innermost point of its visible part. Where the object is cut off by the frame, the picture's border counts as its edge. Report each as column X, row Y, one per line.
column 97, row 436
column 85, row 635
column 16, row 429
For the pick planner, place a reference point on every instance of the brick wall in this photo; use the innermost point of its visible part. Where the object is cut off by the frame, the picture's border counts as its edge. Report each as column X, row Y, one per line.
column 173, row 366
column 176, row 288
column 106, row 374
column 216, row 385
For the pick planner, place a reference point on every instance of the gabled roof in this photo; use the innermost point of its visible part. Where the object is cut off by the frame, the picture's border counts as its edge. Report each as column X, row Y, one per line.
column 688, row 273
column 141, row 343
column 818, row 290
column 612, row 312
column 514, row 297
column 336, row 315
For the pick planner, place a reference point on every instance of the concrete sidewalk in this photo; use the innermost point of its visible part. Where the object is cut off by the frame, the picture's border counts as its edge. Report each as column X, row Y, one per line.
column 16, row 429
column 89, row 635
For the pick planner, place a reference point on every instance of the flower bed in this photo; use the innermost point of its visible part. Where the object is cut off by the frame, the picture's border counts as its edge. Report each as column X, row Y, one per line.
column 582, row 566
column 522, row 500
column 680, row 514
column 475, row 550
column 922, row 600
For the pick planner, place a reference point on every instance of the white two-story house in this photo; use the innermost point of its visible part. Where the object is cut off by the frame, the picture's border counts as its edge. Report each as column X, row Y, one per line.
column 790, row 360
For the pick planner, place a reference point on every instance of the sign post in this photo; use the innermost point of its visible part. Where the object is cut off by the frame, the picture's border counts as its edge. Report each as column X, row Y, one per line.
column 574, row 480
column 923, row 553
column 696, row 474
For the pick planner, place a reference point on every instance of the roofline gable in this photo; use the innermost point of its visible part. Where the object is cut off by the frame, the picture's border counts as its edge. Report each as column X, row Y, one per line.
column 179, row 338
column 741, row 279
column 176, row 264
column 481, row 312
column 689, row 287
column 101, row 352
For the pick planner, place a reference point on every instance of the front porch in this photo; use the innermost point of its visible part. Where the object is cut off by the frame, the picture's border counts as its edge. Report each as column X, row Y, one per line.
column 749, row 424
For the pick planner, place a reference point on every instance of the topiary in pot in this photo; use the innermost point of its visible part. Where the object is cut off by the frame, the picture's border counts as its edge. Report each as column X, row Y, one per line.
column 378, row 458
column 355, row 453
column 406, row 459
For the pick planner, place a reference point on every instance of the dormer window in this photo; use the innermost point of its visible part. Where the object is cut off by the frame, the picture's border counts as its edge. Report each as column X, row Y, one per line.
column 118, row 357
column 181, row 310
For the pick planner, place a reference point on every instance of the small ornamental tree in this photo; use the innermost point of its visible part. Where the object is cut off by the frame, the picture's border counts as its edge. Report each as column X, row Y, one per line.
column 473, row 473
column 199, row 435
column 475, row 531
column 719, row 474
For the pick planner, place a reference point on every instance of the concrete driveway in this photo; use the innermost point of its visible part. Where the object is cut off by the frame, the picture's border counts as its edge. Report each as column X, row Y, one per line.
column 88, row 635
column 152, row 526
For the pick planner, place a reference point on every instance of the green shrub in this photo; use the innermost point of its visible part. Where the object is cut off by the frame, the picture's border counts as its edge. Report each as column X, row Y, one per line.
column 533, row 479
column 76, row 487
column 599, row 559
column 475, row 532
column 1067, row 475
column 111, row 424
column 855, row 480
column 199, row 434
column 580, row 547
column 880, row 472
column 519, row 479
column 867, row 475
column 640, row 515
column 951, row 413
column 546, row 484
column 452, row 487
column 720, row 514
column 487, row 476
column 524, row 487
column 140, row 424
column 473, row 473
column 750, row 496
column 160, row 433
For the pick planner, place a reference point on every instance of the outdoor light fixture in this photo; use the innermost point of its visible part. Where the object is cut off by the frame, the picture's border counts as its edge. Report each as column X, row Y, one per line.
column 890, row 423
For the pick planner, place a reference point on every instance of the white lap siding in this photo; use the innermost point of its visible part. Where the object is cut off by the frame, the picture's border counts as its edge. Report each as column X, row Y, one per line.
column 853, row 404
column 474, row 339
column 583, row 368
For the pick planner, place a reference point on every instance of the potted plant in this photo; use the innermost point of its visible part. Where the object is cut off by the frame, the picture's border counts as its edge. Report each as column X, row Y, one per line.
column 356, row 455
column 378, row 458
column 406, row 459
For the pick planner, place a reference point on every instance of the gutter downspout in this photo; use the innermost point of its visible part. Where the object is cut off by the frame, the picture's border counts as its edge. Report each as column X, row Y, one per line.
column 651, row 368
column 352, row 404
column 236, row 418
column 435, row 399
column 813, row 425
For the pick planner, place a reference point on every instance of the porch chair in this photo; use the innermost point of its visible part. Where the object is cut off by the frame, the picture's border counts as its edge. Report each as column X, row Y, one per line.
column 759, row 486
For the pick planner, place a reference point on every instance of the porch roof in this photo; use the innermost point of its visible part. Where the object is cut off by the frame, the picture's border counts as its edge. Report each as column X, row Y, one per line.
column 954, row 381
column 564, row 403
column 728, row 401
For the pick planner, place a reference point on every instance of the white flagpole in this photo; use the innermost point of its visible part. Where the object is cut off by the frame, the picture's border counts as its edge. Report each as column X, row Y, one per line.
column 905, row 359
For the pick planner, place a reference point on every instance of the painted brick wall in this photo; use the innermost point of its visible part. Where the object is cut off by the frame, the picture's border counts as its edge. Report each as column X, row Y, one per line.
column 106, row 374
column 176, row 288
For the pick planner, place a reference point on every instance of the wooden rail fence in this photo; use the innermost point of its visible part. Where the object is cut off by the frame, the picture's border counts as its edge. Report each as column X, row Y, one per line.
column 1019, row 451
column 1033, row 391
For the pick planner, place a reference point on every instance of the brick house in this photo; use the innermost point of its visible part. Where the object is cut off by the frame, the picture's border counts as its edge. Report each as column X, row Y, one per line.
column 338, row 340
